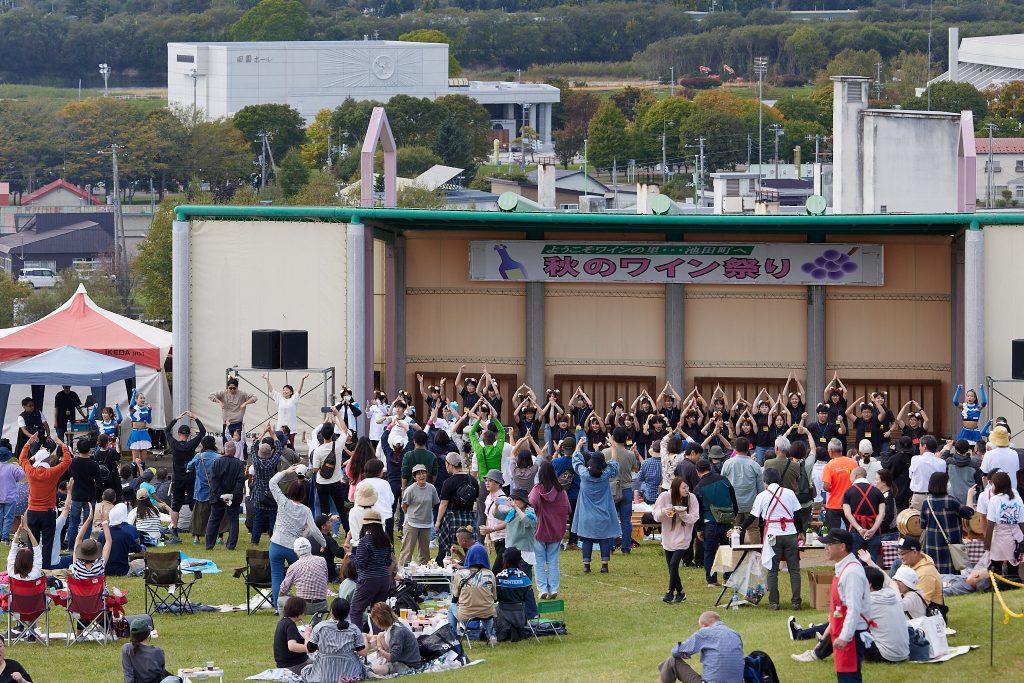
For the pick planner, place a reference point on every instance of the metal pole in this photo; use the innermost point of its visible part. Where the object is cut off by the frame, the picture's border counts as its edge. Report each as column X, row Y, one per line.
column 992, row 627
column 927, row 83
column 586, row 170
column 700, row 176
column 672, row 84
column 263, row 162
column 989, row 199
column 749, row 145
column 119, row 249
column 329, row 149
column 761, row 67
column 664, row 158
column 878, row 81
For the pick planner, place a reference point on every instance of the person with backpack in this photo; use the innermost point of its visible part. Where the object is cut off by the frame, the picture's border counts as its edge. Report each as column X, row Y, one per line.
column 457, row 510
column 568, row 481
column 327, row 460
column 718, row 509
column 721, row 654
column 864, row 509
column 551, row 504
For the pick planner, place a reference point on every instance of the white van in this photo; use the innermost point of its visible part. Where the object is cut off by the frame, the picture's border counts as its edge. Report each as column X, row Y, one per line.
column 38, row 277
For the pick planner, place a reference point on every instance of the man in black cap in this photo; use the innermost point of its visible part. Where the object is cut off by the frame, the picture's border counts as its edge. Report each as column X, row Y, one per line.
column 182, row 449
column 332, row 552
column 929, row 583
column 849, row 606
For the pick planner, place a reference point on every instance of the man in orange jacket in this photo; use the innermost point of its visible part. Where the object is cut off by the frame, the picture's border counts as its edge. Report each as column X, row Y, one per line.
column 41, row 515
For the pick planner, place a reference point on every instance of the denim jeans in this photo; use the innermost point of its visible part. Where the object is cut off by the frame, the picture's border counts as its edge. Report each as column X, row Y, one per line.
column 588, row 548
column 263, row 519
column 486, row 625
column 278, row 555
column 548, row 577
column 715, row 534
column 6, row 520
column 760, row 452
column 76, row 517
column 625, row 509
column 873, row 546
column 854, row 676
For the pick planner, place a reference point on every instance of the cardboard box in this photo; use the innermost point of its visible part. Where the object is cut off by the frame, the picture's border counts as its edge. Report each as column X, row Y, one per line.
column 819, row 587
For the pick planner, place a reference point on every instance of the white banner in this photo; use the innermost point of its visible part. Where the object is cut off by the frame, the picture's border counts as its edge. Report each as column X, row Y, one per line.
column 728, row 263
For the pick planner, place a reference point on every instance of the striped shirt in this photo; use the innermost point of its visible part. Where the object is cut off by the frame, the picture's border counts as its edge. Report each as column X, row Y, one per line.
column 79, row 570
column 149, row 526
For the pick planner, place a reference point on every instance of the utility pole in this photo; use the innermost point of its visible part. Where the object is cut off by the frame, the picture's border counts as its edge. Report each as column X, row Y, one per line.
column 262, row 136
column 700, row 172
column 878, row 80
column 696, row 167
column 105, row 72
column 778, row 131
column 989, row 199
column 927, row 83
column 664, row 158
column 817, row 138
column 329, row 164
column 120, row 253
column 615, row 182
column 586, row 170
column 672, row 83
column 749, row 145
column 761, row 68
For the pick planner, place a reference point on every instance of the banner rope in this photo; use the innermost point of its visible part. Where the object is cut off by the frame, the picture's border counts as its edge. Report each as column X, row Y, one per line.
column 1007, row 612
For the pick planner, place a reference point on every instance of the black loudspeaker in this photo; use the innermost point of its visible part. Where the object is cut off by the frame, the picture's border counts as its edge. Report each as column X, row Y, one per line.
column 266, row 349
column 1017, row 359
column 294, row 349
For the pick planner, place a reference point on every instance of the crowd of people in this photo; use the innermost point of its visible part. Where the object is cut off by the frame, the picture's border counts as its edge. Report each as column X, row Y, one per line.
column 499, row 504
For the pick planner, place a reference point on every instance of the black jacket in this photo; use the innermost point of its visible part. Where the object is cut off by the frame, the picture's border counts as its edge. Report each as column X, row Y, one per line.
column 182, row 451
column 228, row 476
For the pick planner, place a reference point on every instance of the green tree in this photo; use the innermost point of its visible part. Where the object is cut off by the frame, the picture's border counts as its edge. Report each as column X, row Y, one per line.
column 350, row 120
column 568, row 143
column 1004, row 127
column 909, row 72
column 31, row 145
column 413, row 120
column 806, row 50
column 800, row 133
column 416, row 197
column 285, row 125
column 630, row 98
column 580, row 106
column 157, row 149
column 428, row 35
column 151, row 268
column 272, row 20
column 314, row 149
column 321, row 190
column 609, row 139
column 454, row 148
column 954, row 97
column 797, row 107
column 1006, row 101
column 10, row 290
column 724, row 133
column 415, row 160
column 42, row 302
column 92, row 125
column 470, row 116
column 661, row 118
column 217, row 152
column 848, row 63
column 292, row 174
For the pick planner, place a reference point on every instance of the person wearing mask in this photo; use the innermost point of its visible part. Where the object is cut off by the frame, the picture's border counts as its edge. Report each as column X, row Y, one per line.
column 721, row 654
column 294, row 520
column 835, row 479
column 747, row 481
column 308, row 575
column 183, row 448
column 596, row 519
column 395, row 643
column 551, row 504
column 718, row 513
column 290, row 645
column 226, row 490
column 41, row 516
column 142, row 663
column 678, row 511
column 233, row 402
column 922, row 467
column 864, row 511
column 10, row 475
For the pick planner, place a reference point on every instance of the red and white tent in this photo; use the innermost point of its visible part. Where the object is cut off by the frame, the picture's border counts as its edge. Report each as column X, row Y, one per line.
column 80, row 322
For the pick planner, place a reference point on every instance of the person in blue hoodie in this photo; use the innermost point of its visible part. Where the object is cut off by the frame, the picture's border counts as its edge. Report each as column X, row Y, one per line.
column 515, row 589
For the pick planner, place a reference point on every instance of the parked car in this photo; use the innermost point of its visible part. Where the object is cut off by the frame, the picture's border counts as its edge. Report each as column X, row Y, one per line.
column 38, row 277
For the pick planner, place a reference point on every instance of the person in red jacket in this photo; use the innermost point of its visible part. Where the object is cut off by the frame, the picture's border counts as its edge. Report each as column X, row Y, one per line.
column 41, row 515
column 551, row 504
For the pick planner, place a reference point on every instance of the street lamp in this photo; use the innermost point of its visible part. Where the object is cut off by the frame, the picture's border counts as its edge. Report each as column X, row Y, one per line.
column 194, row 75
column 105, row 72
column 586, row 170
column 779, row 132
column 760, row 68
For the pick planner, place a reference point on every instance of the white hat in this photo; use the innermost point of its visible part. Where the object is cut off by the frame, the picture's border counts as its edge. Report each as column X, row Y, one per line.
column 865, row 447
column 118, row 514
column 398, row 437
column 906, row 576
column 302, row 546
column 41, row 456
column 301, row 470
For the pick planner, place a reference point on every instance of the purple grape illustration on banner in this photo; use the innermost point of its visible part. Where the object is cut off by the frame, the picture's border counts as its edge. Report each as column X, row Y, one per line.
column 831, row 265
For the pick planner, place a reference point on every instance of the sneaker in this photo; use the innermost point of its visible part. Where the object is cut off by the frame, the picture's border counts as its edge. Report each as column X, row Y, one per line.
column 774, row 607
column 172, row 540
column 668, row 597
column 552, row 596
column 586, row 568
column 604, row 567
column 805, row 657
column 492, row 641
column 680, row 597
column 793, row 628
column 714, row 585
column 543, row 596
column 819, row 637
column 796, row 605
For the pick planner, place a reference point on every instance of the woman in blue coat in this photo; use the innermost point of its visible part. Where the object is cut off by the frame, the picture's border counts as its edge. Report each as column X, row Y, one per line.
column 595, row 520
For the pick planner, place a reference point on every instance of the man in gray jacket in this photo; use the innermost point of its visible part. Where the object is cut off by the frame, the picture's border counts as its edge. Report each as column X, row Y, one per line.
column 747, row 480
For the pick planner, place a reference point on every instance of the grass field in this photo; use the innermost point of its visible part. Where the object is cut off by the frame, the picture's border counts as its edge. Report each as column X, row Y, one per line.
column 619, row 631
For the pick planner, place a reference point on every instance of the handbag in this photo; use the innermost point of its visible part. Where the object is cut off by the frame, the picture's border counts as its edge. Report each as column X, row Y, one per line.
column 957, row 551
column 920, row 649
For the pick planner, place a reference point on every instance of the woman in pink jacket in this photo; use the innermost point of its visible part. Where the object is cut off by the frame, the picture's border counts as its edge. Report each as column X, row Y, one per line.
column 551, row 504
column 678, row 510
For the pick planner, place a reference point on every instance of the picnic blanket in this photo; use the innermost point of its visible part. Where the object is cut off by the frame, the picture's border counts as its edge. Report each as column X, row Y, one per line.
column 192, row 564
column 953, row 652
column 286, row 676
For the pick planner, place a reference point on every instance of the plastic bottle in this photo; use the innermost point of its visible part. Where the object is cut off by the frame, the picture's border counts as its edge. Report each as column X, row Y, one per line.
column 735, row 540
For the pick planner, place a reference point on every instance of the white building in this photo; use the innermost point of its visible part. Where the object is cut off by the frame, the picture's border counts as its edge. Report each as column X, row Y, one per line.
column 898, row 161
column 1007, row 168
column 985, row 60
column 221, row 78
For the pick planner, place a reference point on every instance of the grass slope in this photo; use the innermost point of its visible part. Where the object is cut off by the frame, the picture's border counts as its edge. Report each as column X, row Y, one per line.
column 619, row 632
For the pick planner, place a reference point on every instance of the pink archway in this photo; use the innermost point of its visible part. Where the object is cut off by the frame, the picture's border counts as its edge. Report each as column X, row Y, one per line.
column 378, row 130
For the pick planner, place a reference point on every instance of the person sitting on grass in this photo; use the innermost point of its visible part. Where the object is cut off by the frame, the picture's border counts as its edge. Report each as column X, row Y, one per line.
column 339, row 645
column 146, row 519
column 395, row 642
column 10, row 669
column 90, row 560
column 290, row 645
column 124, row 542
column 25, row 561
column 309, row 576
column 721, row 654
column 143, row 663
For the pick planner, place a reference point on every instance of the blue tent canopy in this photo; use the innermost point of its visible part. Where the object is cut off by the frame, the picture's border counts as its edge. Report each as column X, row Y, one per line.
column 67, row 365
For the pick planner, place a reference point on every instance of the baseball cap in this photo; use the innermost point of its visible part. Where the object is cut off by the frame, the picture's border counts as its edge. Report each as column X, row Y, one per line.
column 184, row 429
column 453, row 459
column 419, row 468
column 908, row 543
column 837, row 536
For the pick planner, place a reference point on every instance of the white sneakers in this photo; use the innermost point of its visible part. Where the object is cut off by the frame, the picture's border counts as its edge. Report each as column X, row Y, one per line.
column 805, row 657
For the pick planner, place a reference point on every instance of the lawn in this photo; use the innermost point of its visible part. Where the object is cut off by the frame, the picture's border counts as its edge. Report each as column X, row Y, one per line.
column 619, row 631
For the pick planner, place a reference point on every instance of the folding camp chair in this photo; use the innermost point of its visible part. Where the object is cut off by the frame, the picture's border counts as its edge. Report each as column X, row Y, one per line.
column 164, row 586
column 28, row 604
column 256, row 574
column 87, row 610
column 547, row 607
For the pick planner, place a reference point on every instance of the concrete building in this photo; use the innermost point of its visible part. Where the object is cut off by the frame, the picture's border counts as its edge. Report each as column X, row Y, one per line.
column 1007, row 161
column 984, row 61
column 898, row 161
column 569, row 187
column 221, row 78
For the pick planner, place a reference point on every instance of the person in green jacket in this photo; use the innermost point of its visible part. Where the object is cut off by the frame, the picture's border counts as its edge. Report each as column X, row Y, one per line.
column 489, row 447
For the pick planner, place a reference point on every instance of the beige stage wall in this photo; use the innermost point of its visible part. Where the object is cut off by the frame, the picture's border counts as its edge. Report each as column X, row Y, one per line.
column 1004, row 314
column 264, row 274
